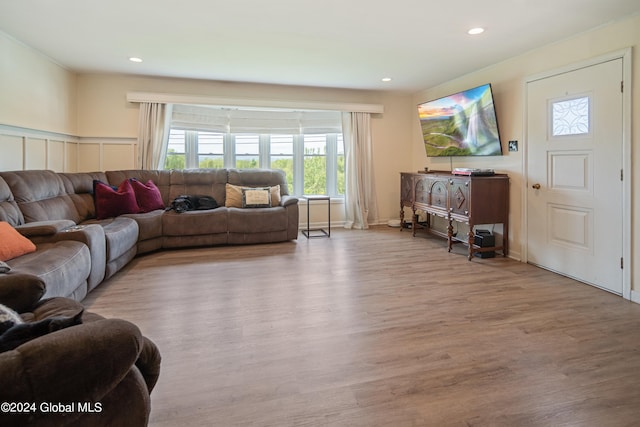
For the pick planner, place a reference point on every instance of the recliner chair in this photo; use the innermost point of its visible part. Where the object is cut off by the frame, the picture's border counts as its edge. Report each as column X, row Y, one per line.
column 99, row 373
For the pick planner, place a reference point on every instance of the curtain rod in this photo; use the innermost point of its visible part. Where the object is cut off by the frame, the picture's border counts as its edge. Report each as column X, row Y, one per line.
column 169, row 98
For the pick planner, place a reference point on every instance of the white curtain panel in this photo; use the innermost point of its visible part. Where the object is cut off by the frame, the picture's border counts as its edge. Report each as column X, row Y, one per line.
column 360, row 192
column 153, row 134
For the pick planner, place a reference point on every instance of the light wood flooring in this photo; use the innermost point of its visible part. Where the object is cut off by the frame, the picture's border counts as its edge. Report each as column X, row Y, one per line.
column 376, row 328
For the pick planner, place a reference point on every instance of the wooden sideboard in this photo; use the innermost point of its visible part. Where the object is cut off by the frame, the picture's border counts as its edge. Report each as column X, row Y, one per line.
column 471, row 200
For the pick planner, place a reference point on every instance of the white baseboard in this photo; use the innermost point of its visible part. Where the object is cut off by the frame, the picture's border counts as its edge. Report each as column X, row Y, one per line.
column 635, row 296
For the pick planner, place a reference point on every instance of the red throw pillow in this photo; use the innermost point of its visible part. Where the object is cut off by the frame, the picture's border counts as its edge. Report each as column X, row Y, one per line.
column 148, row 195
column 12, row 243
column 112, row 201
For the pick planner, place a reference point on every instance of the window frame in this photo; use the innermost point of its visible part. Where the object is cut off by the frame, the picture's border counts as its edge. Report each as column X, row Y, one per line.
column 230, row 156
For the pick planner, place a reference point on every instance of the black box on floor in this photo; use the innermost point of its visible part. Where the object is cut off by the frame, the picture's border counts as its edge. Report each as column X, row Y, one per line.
column 484, row 239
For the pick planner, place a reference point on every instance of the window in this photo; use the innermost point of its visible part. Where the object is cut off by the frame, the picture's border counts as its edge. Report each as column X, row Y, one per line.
column 176, row 150
column 281, row 156
column 313, row 163
column 247, row 149
column 570, row 117
column 210, row 150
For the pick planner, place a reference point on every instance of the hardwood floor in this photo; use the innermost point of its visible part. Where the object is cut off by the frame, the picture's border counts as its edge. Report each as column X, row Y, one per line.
column 376, row 328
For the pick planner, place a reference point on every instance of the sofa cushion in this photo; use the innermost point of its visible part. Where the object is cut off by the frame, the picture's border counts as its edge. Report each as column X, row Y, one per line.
column 12, row 243
column 206, row 182
column 259, row 178
column 79, row 186
column 147, row 195
column 20, row 291
column 121, row 234
column 112, row 202
column 63, row 267
column 193, row 223
column 257, row 220
column 9, row 211
column 41, row 195
column 149, row 224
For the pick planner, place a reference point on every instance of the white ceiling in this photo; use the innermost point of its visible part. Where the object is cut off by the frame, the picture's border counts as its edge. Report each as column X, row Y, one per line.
column 327, row 43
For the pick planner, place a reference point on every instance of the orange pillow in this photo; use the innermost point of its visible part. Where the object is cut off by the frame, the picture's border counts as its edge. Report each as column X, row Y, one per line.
column 12, row 243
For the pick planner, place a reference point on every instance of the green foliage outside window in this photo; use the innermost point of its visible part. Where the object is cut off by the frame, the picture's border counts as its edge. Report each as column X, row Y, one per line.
column 174, row 161
column 341, row 179
column 287, row 166
column 315, row 176
column 211, row 163
column 247, row 164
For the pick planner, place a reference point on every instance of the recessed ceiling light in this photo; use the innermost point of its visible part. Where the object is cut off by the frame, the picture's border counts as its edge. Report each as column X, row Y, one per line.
column 134, row 59
column 386, row 79
column 475, row 31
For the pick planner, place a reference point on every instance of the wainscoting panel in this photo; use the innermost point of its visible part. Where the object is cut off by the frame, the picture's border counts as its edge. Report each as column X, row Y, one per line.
column 96, row 154
column 22, row 148
column 118, row 156
column 11, row 152
column 71, row 157
column 35, row 153
column 89, row 157
column 55, row 156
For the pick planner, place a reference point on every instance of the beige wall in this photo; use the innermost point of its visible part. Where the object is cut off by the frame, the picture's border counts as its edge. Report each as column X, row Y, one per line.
column 37, row 111
column 104, row 112
column 36, row 92
column 508, row 81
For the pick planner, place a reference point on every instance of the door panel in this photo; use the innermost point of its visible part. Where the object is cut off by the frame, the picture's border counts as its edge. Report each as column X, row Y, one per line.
column 569, row 226
column 574, row 159
column 570, row 171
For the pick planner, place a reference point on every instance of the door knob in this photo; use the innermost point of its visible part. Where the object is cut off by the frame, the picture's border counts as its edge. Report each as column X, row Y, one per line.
column 536, row 186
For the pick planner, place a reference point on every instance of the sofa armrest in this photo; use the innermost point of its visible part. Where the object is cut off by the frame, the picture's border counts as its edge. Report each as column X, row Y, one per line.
column 288, row 200
column 82, row 363
column 20, row 291
column 93, row 236
column 43, row 228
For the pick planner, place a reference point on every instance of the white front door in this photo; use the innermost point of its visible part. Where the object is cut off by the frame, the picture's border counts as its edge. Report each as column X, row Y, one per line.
column 574, row 183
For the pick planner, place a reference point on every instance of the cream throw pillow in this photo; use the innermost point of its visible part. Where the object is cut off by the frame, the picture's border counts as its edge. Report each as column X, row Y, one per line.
column 233, row 197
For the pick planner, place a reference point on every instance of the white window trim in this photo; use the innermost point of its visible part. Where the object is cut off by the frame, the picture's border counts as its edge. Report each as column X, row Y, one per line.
column 169, row 98
column 264, row 157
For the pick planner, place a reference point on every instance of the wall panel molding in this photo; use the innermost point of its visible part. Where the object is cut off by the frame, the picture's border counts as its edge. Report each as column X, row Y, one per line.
column 24, row 148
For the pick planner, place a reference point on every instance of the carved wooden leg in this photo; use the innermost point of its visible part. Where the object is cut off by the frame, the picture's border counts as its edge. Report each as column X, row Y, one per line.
column 505, row 239
column 401, row 217
column 450, row 234
column 471, row 240
column 414, row 222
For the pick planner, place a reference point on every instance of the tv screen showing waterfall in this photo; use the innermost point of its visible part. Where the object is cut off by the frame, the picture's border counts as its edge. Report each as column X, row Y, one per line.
column 462, row 124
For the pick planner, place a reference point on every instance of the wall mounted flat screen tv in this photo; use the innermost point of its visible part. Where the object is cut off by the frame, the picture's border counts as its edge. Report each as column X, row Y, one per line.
column 462, row 124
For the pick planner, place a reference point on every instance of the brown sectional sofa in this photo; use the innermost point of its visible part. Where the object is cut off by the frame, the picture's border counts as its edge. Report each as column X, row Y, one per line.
column 57, row 212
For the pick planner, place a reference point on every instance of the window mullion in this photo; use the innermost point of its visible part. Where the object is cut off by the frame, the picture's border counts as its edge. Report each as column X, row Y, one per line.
column 229, row 150
column 191, row 148
column 298, row 164
column 264, row 158
column 332, row 166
